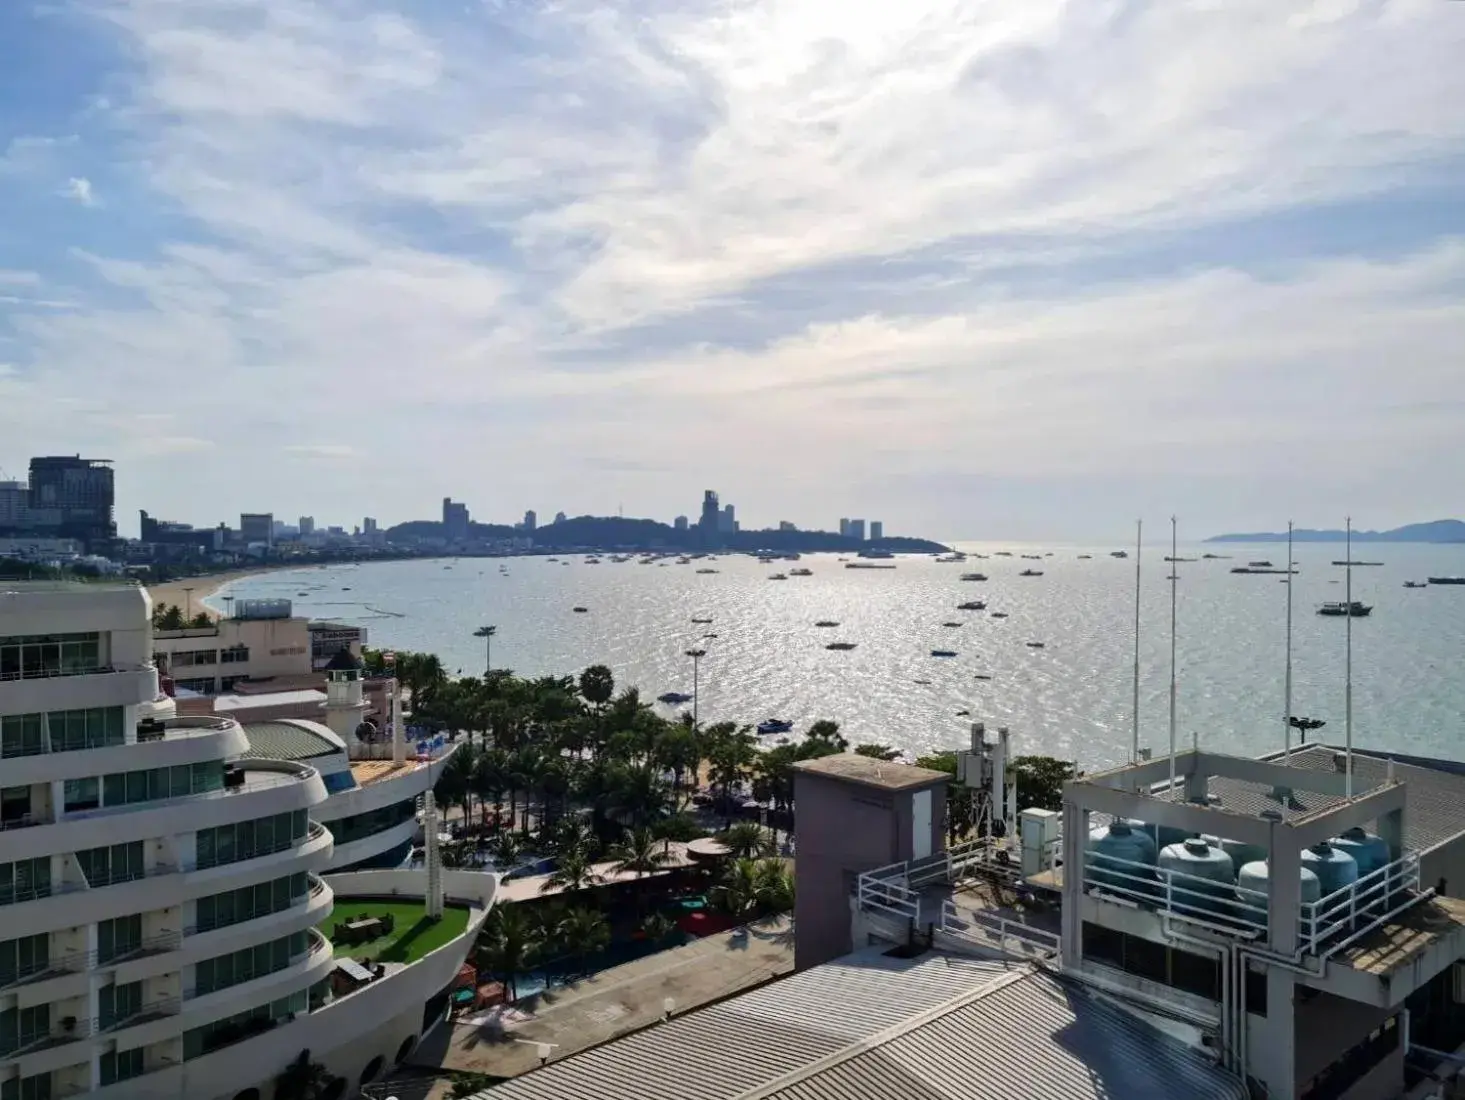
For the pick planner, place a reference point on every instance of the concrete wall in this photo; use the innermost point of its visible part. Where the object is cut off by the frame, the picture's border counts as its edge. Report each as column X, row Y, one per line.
column 843, row 829
column 1445, row 862
column 277, row 647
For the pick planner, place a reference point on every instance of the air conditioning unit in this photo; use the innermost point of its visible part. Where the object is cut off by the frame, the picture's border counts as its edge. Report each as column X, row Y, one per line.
column 233, row 777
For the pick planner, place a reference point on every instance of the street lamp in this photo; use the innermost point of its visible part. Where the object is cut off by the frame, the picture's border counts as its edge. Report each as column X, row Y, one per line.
column 486, row 633
column 696, row 655
column 188, row 604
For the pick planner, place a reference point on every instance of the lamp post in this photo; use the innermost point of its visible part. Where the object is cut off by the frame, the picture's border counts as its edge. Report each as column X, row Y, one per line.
column 486, row 633
column 187, row 604
column 696, row 655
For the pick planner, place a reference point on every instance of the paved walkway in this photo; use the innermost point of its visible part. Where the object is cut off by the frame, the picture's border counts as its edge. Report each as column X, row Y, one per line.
column 617, row 1001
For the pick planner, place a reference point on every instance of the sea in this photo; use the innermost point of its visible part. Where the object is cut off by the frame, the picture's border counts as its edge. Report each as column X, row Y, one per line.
column 1071, row 698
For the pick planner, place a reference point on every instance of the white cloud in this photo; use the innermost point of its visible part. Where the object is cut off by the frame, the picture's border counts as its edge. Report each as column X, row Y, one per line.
column 893, row 237
column 80, row 189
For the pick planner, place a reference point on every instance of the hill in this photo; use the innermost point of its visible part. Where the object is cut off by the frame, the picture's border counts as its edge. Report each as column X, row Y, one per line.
column 1439, row 530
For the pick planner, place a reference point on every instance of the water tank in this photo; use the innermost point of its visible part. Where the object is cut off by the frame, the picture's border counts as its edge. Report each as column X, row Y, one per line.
column 1254, row 877
column 1369, row 851
column 1120, row 840
column 1210, row 888
column 1334, row 867
column 1241, row 853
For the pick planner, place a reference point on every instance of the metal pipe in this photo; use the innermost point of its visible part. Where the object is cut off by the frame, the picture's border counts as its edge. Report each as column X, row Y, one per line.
column 1173, row 554
column 1139, row 542
column 1287, row 682
column 1348, row 669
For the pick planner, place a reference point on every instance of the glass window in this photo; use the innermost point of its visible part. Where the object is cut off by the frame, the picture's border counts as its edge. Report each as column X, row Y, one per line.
column 117, row 863
column 121, row 1065
column 15, row 804
column 21, row 958
column 118, row 936
column 82, row 794
column 25, row 879
column 21, row 735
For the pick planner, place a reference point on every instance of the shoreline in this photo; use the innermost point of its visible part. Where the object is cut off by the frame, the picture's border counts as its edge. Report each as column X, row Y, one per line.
column 204, row 587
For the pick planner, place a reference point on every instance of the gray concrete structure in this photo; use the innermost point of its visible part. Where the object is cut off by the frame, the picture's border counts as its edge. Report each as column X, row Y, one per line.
column 855, row 814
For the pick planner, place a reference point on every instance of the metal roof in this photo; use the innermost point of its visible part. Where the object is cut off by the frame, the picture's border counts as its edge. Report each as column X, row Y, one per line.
column 289, row 739
column 1033, row 1037
column 746, row 1042
column 1436, row 796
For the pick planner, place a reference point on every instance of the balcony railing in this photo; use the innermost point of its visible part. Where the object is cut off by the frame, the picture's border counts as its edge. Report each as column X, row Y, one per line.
column 151, row 945
column 54, row 673
column 38, row 970
column 154, row 1010
column 67, row 1029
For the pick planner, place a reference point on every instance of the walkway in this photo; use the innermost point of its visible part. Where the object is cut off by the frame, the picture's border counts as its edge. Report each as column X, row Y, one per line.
column 617, row 1001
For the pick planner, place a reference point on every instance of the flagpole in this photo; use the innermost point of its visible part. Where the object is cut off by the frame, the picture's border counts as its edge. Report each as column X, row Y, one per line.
column 1139, row 532
column 1173, row 554
column 1287, row 688
column 1348, row 667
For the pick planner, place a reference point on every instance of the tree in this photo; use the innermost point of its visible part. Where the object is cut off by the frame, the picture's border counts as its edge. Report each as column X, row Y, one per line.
column 572, row 871
column 639, row 851
column 168, row 616
column 582, row 933
column 878, row 752
column 303, row 1080
column 828, row 732
column 1040, row 781
column 657, row 927
column 509, row 945
column 597, row 686
column 745, row 839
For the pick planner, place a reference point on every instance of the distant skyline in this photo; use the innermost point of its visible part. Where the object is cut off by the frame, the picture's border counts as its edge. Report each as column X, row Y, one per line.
column 1023, row 269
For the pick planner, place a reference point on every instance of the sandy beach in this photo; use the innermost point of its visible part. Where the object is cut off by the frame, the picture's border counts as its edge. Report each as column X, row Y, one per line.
column 203, row 587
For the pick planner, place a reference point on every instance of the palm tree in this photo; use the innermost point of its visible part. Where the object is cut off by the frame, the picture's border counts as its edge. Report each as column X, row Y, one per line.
column 573, row 871
column 745, row 839
column 657, row 927
column 737, row 893
column 597, row 686
column 774, row 886
column 509, row 945
column 454, row 785
column 582, row 933
column 487, row 633
column 571, row 833
column 640, row 851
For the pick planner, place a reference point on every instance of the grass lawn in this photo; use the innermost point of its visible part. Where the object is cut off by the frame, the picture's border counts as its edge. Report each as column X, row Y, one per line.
column 412, row 937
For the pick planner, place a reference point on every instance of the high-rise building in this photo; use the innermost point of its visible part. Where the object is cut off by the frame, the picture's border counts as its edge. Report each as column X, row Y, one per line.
column 72, row 497
column 857, row 530
column 727, row 520
column 680, row 523
column 711, row 512
column 14, row 506
column 368, row 526
column 559, row 517
column 531, row 520
column 455, row 519
column 785, row 525
column 877, row 530
column 257, row 527
column 843, row 528
column 307, row 525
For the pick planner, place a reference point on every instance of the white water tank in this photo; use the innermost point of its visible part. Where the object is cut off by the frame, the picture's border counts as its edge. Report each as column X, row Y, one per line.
column 1040, row 831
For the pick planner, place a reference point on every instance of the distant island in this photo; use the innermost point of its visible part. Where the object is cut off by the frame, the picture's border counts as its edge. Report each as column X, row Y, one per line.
column 1440, row 530
column 617, row 533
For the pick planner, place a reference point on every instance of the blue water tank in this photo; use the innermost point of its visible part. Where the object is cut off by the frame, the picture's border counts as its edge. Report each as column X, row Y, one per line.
column 1254, row 877
column 1203, row 881
column 1241, row 854
column 1370, row 852
column 1120, row 840
column 1334, row 867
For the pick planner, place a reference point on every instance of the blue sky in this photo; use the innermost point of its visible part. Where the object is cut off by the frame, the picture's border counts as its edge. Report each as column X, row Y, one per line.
column 1016, row 269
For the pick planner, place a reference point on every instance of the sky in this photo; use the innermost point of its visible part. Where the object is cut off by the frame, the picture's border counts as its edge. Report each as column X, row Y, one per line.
column 1008, row 269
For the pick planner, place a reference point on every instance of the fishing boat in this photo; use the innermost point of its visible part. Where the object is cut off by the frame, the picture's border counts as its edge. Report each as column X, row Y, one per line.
column 800, row 572
column 953, row 623
column 1031, row 573
column 974, row 576
column 1119, row 553
column 1341, row 609
column 779, row 577
column 826, row 622
column 674, row 697
column 943, row 653
column 1447, row 580
column 579, row 610
column 1416, row 584
column 840, row 645
column 707, row 570
column 999, row 614
column 707, row 619
column 972, row 605
column 1036, row 645
column 774, row 725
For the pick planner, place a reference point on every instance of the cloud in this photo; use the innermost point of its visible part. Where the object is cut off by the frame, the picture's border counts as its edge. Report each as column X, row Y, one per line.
column 797, row 251
column 80, row 189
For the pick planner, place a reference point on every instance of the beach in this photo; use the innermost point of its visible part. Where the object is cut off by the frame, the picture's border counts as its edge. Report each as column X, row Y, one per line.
column 203, row 586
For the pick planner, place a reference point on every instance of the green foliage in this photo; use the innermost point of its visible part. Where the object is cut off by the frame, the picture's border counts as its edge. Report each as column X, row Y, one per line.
column 471, row 1084
column 1040, row 781
column 878, row 752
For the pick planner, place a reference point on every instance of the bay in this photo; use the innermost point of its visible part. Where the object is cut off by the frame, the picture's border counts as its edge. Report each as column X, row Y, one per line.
column 1071, row 698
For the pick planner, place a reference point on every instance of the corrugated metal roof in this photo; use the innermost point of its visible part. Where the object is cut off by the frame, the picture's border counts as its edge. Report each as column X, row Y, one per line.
column 1033, row 1038
column 720, row 1052
column 290, row 740
column 1435, row 812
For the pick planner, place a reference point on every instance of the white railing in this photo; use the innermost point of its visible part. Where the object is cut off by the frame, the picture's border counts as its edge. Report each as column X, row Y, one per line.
column 992, row 930
column 1369, row 897
column 888, row 889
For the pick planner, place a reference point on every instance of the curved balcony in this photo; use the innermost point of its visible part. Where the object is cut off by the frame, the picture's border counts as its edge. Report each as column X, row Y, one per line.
column 304, row 971
column 311, row 853
column 307, row 912
column 157, row 744
column 34, row 690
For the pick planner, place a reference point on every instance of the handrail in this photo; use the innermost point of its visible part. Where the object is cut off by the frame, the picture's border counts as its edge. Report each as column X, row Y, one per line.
column 58, row 673
column 964, row 924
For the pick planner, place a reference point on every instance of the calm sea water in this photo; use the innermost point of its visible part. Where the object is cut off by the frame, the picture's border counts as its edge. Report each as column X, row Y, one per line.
column 1071, row 698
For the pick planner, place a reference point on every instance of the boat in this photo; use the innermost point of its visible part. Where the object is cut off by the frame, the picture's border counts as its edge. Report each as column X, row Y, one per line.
column 919, row 681
column 779, row 577
column 1416, row 584
column 840, row 645
column 963, row 714
column 1119, row 553
column 1036, row 645
column 774, row 725
column 1340, row 609
column 874, row 554
column 1259, row 564
column 1258, row 569
column 1214, row 557
column 1032, row 557
column 1003, row 554
column 951, row 624
column 951, row 558
column 765, row 561
column 707, row 570
column 1447, row 580
column 826, row 622
column 982, row 676
column 709, row 635
column 974, row 576
column 580, row 610
column 1345, row 562
column 1170, row 559
column 1172, row 576
column 972, row 605
column 943, row 653
column 706, row 619
column 999, row 614
column 674, row 697
column 800, row 572
column 867, row 565
column 1031, row 573
column 1085, row 557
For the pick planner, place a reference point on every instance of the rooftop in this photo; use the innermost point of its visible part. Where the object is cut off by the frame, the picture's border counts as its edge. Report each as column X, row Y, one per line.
column 225, row 703
column 412, row 936
column 367, row 772
column 886, row 775
column 873, row 1025
column 290, row 739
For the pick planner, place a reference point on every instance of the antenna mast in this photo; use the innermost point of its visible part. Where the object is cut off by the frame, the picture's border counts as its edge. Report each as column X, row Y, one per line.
column 1173, row 554
column 1139, row 533
column 1348, row 666
column 1287, row 678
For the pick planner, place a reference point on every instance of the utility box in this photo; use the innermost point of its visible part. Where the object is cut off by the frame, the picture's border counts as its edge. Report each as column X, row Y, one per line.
column 1040, row 830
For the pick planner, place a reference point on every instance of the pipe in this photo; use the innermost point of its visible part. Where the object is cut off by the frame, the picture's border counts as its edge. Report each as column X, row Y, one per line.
column 1139, row 542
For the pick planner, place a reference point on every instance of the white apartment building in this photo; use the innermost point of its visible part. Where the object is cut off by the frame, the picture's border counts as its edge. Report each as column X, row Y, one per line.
column 159, row 883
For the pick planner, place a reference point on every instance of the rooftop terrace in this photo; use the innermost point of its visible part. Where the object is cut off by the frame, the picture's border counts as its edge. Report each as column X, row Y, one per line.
column 411, row 935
